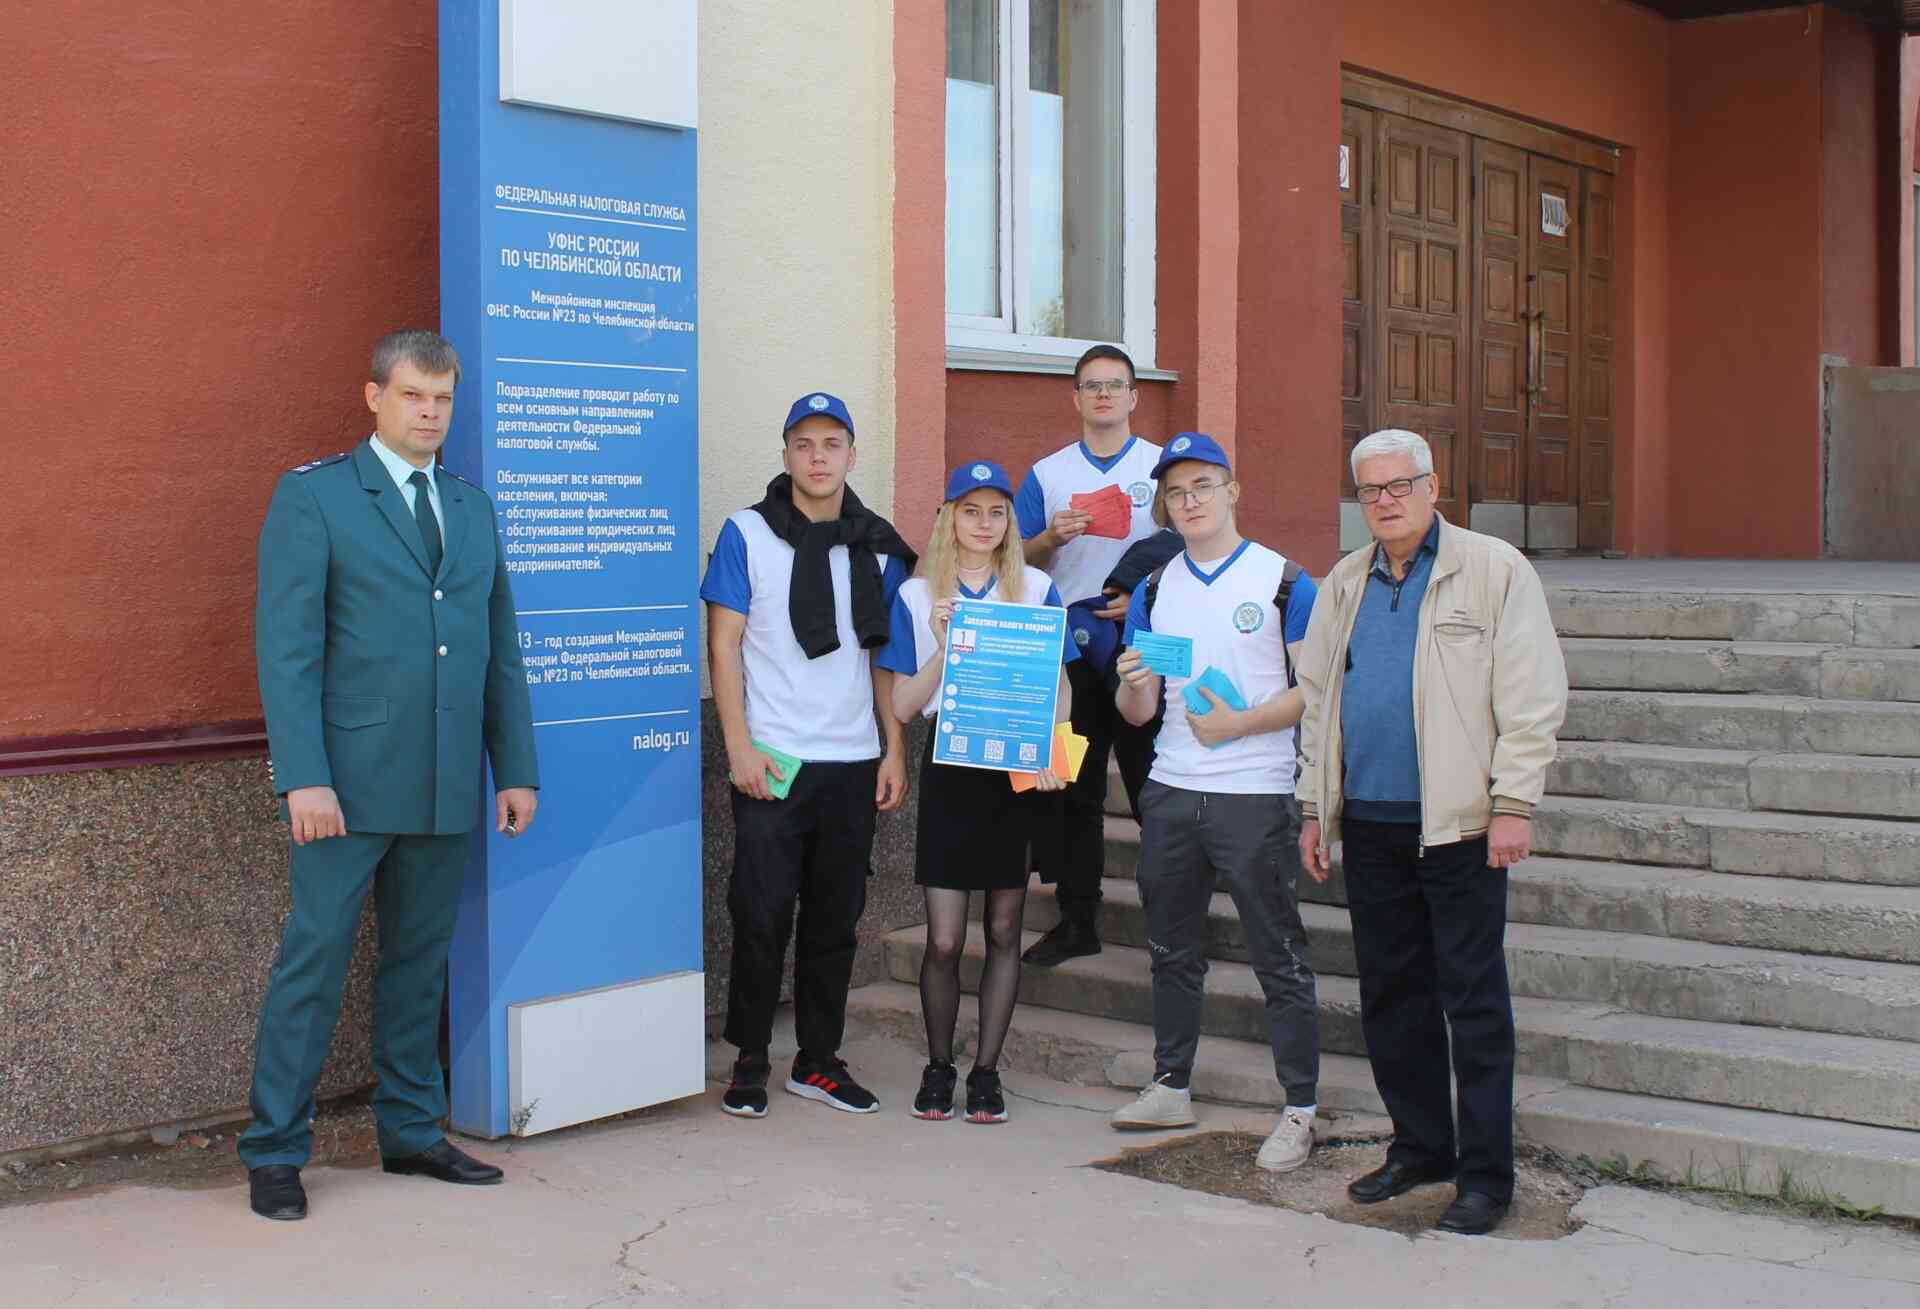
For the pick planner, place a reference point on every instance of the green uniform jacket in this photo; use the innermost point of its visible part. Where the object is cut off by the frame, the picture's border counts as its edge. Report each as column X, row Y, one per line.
column 379, row 679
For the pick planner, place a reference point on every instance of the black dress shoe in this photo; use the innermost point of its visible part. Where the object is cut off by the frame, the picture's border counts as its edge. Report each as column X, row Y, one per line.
column 1391, row 1179
column 1067, row 940
column 1472, row 1213
column 442, row 1162
column 276, row 1192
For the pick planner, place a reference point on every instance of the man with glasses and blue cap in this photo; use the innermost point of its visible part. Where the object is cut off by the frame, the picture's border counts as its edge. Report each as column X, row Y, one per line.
column 1214, row 631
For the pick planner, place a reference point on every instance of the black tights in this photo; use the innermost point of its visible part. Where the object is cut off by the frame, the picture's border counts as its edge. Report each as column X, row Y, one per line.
column 999, row 980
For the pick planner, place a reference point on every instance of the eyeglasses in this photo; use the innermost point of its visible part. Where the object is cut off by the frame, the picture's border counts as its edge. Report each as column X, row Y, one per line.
column 1198, row 494
column 1399, row 488
column 1115, row 387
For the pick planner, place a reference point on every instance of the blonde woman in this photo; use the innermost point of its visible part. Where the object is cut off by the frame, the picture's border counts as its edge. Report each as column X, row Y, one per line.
column 974, row 828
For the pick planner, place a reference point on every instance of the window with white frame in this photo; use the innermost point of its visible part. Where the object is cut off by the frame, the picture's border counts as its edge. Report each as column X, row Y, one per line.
column 1050, row 178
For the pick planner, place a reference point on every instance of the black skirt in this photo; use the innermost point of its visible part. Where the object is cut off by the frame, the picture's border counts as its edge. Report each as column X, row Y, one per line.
column 974, row 828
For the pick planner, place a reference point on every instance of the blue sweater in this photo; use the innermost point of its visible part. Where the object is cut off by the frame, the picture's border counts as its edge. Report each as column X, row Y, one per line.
column 1381, row 755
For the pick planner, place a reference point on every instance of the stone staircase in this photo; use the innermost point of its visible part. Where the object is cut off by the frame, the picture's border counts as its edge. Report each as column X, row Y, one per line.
column 1715, row 952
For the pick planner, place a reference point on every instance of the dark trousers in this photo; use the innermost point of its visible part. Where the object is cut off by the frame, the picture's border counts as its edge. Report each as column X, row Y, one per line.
column 415, row 881
column 812, row 851
column 1074, row 853
column 1429, row 931
column 1251, row 845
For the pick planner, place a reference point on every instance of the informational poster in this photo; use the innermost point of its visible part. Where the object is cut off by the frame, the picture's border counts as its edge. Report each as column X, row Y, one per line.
column 1002, row 687
column 567, row 285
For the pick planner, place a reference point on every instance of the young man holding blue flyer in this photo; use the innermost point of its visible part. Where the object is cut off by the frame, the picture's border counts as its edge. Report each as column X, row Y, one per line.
column 1213, row 630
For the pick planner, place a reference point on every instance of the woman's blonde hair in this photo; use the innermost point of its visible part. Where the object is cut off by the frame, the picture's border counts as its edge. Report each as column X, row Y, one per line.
column 941, row 565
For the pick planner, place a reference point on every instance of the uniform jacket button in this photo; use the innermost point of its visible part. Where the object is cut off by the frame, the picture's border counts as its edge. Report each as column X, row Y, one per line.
column 443, row 649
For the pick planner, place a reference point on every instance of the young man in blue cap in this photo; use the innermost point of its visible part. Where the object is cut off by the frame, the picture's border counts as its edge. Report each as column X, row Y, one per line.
column 799, row 591
column 1056, row 539
column 1219, row 802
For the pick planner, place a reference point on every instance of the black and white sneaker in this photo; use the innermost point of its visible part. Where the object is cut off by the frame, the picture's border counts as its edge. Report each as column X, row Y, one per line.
column 746, row 1094
column 935, row 1101
column 829, row 1082
column 986, row 1103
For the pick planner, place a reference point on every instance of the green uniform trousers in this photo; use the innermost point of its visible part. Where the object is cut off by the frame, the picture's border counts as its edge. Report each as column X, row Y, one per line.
column 416, row 887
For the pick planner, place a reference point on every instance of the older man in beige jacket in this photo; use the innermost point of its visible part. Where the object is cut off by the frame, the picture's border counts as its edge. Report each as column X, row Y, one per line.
column 1434, row 687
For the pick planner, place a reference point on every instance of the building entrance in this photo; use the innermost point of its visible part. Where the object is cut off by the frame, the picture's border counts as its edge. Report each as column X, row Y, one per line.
column 1478, row 311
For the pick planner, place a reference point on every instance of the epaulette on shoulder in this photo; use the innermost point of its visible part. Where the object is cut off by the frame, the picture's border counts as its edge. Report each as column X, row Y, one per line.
column 320, row 463
column 456, row 477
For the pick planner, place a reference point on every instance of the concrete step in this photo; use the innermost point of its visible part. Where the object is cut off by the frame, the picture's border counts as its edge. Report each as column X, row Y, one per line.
column 1811, row 1074
column 1853, row 785
column 1742, row 668
column 1649, row 973
column 1860, row 850
column 1834, row 920
column 1087, row 1050
column 1717, row 1145
column 1862, row 620
column 1712, row 1144
column 1779, row 724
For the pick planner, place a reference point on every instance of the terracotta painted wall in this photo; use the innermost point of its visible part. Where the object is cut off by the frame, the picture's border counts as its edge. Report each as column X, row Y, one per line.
column 1747, row 286
column 1599, row 67
column 214, row 232
column 1906, row 167
column 1855, row 254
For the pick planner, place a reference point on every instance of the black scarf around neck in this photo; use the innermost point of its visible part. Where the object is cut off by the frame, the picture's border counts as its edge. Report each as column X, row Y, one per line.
column 810, row 605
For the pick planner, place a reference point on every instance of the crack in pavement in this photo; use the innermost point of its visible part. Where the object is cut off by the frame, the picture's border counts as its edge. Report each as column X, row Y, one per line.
column 1057, row 1104
column 1799, row 1265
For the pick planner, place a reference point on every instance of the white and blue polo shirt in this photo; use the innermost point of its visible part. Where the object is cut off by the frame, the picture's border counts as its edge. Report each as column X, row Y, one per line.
column 911, row 644
column 818, row 710
column 1081, row 566
column 1227, row 610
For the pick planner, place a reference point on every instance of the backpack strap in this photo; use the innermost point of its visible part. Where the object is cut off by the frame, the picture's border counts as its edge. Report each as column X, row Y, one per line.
column 1153, row 589
column 1288, row 575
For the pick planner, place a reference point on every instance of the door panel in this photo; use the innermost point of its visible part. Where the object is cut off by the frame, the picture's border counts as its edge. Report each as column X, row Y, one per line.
column 1423, row 329
column 1596, row 418
column 1552, row 464
column 1478, row 309
column 1357, row 294
column 1501, row 371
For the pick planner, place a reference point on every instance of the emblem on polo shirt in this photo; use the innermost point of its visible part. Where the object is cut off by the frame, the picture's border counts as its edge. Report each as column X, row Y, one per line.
column 817, row 402
column 1181, row 444
column 981, row 472
column 1248, row 618
column 1141, row 493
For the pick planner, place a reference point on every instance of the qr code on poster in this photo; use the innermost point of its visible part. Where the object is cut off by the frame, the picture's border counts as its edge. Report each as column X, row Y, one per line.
column 1029, row 752
column 994, row 751
column 959, row 744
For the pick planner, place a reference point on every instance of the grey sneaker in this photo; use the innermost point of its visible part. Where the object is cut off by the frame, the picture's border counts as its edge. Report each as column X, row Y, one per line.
column 1290, row 1144
column 1159, row 1106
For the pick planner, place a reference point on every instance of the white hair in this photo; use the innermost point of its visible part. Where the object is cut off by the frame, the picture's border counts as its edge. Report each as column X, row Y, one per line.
column 1393, row 441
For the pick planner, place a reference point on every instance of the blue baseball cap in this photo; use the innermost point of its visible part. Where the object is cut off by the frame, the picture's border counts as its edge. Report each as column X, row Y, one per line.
column 818, row 402
column 1098, row 638
column 1191, row 445
column 981, row 474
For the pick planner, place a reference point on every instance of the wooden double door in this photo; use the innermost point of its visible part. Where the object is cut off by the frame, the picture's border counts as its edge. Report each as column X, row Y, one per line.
column 1478, row 312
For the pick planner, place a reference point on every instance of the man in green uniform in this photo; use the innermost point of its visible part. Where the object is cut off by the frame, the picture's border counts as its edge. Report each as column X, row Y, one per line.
column 388, row 660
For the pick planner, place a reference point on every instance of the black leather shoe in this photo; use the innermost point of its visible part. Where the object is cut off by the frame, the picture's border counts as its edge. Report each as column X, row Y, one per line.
column 443, row 1163
column 1067, row 940
column 1472, row 1213
column 1391, row 1179
column 276, row 1192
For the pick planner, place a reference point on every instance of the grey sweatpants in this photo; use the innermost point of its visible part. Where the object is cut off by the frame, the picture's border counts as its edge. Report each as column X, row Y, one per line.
column 1250, row 843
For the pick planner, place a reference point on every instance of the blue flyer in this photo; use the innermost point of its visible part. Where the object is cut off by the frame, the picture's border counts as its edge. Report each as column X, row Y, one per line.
column 1002, row 687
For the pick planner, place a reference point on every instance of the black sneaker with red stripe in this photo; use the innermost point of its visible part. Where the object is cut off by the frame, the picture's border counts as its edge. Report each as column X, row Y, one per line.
column 829, row 1082
column 746, row 1094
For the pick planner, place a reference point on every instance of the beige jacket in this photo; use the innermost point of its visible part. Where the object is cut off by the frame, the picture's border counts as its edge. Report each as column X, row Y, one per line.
column 1489, row 688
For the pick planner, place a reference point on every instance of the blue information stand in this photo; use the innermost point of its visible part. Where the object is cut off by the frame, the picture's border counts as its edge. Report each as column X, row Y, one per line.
column 567, row 285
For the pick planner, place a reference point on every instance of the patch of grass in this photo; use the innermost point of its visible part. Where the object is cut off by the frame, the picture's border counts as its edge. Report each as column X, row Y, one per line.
column 1788, row 1194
